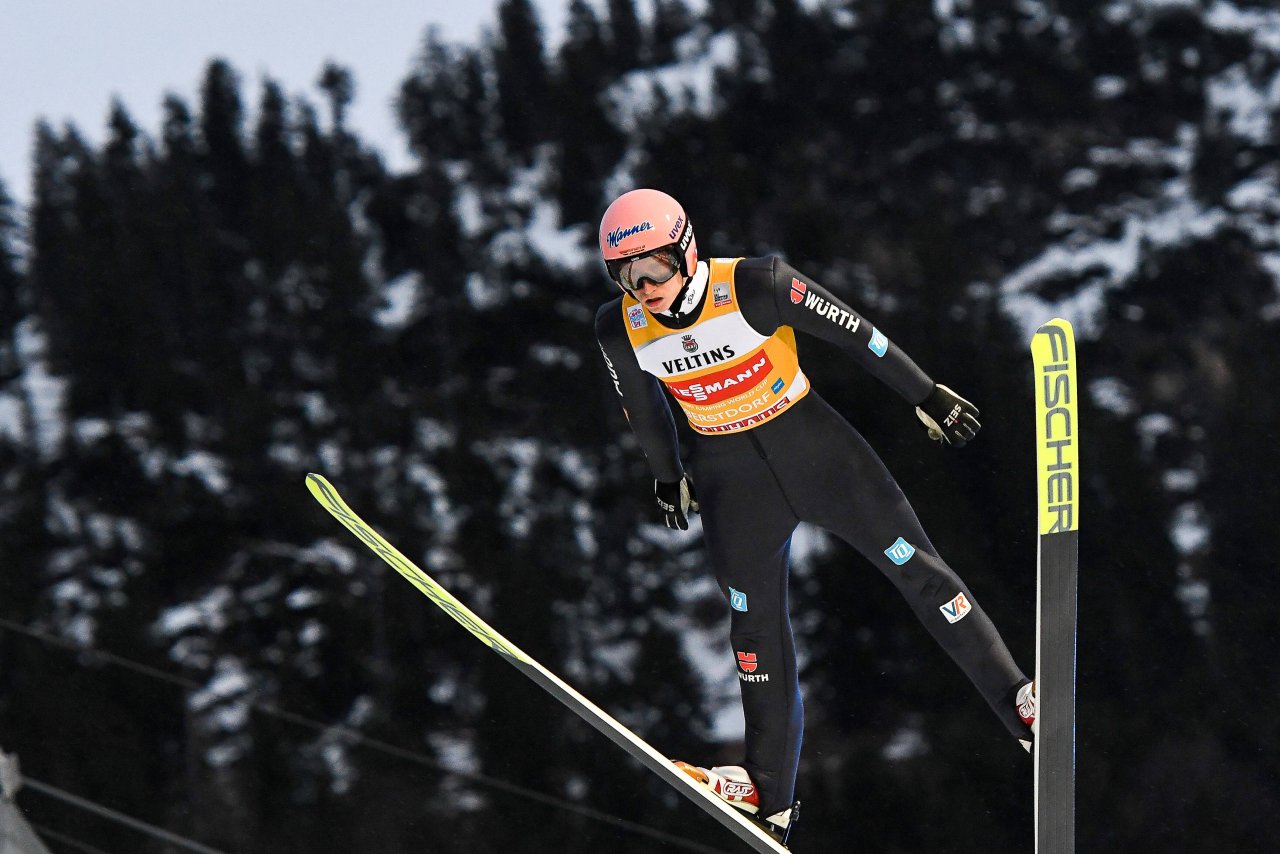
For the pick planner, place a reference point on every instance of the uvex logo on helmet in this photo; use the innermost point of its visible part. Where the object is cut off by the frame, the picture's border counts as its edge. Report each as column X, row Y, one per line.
column 618, row 235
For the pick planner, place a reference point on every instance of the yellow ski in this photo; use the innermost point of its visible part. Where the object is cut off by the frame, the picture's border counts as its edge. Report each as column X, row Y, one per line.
column 1053, row 352
column 730, row 817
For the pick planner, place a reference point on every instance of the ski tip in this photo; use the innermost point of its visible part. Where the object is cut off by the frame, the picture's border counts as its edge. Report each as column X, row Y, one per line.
column 317, row 485
column 1056, row 323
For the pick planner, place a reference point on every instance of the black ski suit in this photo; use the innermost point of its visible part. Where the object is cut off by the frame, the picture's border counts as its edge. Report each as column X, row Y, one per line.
column 804, row 464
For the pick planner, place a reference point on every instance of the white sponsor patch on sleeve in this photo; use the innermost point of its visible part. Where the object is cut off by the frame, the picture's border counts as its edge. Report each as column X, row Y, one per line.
column 956, row 609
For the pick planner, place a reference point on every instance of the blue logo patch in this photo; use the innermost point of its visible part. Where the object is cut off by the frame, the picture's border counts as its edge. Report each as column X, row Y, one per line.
column 900, row 552
column 635, row 316
column 879, row 343
column 777, row 386
column 737, row 600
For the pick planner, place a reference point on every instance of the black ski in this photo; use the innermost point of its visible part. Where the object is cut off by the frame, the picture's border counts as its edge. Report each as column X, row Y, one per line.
column 1058, row 488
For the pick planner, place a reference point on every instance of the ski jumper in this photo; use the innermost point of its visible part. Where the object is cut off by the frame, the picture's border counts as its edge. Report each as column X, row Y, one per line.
column 768, row 454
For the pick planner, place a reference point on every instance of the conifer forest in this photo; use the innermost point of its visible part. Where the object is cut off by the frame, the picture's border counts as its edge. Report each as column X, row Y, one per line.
column 195, row 315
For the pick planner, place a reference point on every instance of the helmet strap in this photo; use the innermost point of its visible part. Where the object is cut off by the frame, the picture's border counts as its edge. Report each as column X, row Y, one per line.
column 674, row 311
column 678, row 310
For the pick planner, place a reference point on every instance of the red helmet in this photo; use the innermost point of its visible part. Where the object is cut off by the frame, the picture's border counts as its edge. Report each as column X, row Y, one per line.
column 642, row 221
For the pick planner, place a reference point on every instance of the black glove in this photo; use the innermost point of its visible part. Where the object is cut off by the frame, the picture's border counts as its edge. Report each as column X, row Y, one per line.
column 949, row 417
column 675, row 500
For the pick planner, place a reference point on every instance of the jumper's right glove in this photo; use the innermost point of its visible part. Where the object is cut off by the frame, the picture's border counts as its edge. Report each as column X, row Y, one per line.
column 948, row 417
column 675, row 500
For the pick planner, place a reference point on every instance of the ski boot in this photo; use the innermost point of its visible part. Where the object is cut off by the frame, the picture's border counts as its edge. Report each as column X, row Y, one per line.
column 1026, row 703
column 732, row 784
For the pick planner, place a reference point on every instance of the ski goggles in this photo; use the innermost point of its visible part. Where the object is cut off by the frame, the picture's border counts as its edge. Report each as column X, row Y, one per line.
column 657, row 266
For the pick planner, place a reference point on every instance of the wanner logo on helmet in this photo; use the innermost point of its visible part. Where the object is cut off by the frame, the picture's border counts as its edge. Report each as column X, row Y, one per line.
column 620, row 234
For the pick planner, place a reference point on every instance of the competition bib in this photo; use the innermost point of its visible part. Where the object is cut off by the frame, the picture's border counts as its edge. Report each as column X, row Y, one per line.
column 726, row 376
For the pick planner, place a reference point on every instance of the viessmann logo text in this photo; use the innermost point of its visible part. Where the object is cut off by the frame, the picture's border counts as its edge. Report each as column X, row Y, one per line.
column 722, row 385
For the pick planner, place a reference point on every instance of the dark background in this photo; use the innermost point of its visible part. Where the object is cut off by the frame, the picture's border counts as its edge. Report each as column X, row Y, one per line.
column 194, row 316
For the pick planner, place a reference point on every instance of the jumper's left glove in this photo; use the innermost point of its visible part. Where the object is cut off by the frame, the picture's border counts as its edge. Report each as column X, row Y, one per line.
column 675, row 500
column 948, row 417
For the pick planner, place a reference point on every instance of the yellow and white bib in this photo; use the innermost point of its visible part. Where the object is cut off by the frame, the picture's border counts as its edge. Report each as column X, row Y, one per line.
column 726, row 376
